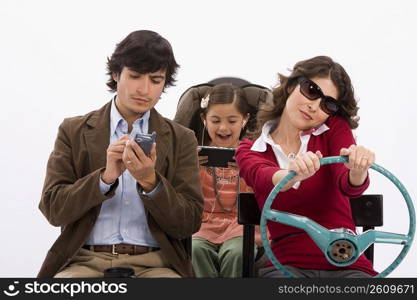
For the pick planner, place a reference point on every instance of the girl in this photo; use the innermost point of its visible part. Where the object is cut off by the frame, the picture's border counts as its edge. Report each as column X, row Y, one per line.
column 224, row 117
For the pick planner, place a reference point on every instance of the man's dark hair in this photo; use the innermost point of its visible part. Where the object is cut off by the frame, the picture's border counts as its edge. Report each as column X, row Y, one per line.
column 142, row 51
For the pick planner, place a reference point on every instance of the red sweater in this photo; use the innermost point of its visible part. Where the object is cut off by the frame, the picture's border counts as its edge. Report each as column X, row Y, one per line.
column 324, row 197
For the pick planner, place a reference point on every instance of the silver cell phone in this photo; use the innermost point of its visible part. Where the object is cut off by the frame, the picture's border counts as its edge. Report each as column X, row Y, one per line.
column 145, row 141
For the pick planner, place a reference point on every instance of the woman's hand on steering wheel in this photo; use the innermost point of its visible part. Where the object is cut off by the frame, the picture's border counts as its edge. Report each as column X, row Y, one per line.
column 360, row 160
column 305, row 165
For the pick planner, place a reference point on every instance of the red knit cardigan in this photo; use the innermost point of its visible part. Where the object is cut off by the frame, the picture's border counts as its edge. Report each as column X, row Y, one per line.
column 324, row 197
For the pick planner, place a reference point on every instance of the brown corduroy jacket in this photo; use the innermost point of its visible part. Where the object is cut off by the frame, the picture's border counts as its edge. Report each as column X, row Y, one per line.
column 71, row 196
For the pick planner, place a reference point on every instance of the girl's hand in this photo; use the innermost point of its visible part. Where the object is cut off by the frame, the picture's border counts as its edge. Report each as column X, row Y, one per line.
column 232, row 164
column 201, row 159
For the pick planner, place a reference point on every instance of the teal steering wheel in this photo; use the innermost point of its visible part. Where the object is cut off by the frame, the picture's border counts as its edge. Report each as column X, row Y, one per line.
column 340, row 240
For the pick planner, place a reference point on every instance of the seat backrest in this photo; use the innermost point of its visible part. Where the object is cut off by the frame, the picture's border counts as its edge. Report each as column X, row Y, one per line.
column 367, row 212
column 188, row 108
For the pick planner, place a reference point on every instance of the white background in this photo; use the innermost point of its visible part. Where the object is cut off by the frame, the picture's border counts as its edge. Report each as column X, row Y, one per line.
column 53, row 55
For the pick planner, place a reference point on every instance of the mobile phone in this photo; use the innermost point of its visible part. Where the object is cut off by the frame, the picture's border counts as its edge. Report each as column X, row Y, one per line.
column 145, row 141
column 217, row 156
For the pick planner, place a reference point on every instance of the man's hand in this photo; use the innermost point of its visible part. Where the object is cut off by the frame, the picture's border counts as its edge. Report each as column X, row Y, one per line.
column 114, row 165
column 141, row 166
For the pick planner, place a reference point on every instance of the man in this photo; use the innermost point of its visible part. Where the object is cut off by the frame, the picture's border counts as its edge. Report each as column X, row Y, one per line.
column 117, row 206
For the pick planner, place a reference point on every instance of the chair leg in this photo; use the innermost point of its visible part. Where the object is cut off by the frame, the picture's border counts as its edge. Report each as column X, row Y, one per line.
column 248, row 259
column 369, row 253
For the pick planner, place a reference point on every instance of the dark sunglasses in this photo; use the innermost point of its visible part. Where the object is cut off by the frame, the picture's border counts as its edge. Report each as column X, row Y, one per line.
column 313, row 92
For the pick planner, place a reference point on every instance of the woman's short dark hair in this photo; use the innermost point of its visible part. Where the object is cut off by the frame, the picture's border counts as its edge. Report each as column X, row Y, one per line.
column 142, row 51
column 316, row 67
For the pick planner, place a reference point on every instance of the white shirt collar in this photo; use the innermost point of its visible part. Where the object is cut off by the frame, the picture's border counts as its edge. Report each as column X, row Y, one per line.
column 260, row 144
column 115, row 117
column 265, row 138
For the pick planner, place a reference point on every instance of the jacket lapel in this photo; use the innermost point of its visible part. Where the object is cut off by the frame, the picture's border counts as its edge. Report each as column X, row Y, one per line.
column 97, row 136
column 158, row 124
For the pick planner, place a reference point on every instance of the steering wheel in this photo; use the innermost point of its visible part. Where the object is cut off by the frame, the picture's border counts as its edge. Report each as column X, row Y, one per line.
column 340, row 241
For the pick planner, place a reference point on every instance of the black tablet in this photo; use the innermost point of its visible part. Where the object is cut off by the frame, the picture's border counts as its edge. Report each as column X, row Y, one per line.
column 217, row 156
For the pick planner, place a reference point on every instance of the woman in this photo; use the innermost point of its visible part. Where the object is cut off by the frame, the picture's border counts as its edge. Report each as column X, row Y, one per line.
column 313, row 115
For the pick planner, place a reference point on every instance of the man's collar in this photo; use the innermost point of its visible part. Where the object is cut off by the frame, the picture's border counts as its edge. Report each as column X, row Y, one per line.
column 116, row 117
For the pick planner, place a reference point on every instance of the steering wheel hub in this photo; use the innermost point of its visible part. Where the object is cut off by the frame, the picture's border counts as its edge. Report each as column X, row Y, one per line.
column 342, row 251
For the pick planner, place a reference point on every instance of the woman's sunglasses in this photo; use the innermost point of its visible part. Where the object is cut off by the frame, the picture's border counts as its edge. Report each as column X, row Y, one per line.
column 313, row 92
